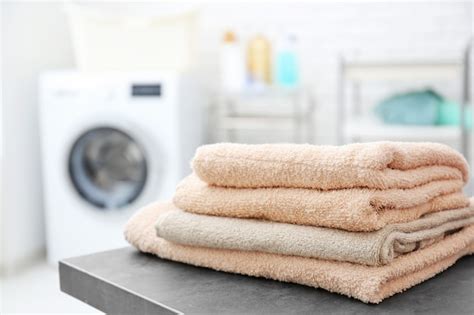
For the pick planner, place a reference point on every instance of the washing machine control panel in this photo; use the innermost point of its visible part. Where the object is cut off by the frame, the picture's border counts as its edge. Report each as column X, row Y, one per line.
column 146, row 90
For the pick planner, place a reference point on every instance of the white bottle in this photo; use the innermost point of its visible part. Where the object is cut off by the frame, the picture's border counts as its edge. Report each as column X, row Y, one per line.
column 232, row 64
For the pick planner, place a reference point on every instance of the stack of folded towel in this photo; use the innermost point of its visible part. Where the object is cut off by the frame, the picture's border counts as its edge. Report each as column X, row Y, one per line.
column 365, row 220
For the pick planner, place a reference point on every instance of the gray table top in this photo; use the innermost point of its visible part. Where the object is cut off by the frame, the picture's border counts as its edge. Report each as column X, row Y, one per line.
column 124, row 281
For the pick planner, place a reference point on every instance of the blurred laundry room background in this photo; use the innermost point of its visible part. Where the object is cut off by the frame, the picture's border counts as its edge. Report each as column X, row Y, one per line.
column 103, row 104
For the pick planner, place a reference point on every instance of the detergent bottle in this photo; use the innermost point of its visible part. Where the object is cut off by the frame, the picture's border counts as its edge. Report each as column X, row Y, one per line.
column 286, row 65
column 232, row 64
column 259, row 61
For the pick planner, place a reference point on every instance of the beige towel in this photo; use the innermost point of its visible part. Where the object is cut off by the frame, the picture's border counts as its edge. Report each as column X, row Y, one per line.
column 373, row 248
column 348, row 209
column 380, row 165
column 366, row 283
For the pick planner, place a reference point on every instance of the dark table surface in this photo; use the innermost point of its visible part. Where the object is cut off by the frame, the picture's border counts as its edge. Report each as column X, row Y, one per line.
column 125, row 281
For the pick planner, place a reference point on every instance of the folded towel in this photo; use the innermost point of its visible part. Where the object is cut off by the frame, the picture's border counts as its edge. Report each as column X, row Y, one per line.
column 366, row 283
column 348, row 209
column 380, row 165
column 373, row 248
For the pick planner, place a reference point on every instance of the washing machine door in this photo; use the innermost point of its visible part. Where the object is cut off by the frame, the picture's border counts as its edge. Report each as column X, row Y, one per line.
column 108, row 167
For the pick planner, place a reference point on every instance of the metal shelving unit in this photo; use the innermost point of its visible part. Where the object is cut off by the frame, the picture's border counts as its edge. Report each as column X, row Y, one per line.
column 264, row 110
column 354, row 125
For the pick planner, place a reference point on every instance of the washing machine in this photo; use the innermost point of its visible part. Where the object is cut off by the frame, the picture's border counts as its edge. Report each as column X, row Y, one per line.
column 111, row 143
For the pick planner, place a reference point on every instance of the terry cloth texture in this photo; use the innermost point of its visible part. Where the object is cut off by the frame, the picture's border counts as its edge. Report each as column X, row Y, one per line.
column 373, row 248
column 347, row 209
column 380, row 165
column 366, row 283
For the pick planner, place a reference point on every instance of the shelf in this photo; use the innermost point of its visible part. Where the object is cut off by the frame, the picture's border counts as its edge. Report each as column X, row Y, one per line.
column 402, row 71
column 371, row 129
column 257, row 123
column 271, row 109
column 268, row 92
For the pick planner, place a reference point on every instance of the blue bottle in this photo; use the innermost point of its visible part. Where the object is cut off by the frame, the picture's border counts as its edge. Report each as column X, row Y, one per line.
column 287, row 72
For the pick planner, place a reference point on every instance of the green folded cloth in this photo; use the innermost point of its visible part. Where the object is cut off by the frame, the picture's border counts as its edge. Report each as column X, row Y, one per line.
column 426, row 108
column 413, row 108
column 450, row 114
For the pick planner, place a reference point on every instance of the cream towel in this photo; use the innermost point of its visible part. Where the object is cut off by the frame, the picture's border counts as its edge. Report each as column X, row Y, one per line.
column 366, row 283
column 348, row 209
column 373, row 248
column 380, row 165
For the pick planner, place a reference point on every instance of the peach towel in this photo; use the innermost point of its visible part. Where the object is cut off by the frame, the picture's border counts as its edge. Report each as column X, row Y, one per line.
column 348, row 209
column 380, row 165
column 373, row 248
column 366, row 283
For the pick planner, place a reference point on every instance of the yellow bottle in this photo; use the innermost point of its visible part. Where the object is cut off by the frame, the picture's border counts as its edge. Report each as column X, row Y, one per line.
column 259, row 60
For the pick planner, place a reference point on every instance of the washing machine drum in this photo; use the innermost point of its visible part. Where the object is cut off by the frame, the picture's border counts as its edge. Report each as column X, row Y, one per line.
column 108, row 168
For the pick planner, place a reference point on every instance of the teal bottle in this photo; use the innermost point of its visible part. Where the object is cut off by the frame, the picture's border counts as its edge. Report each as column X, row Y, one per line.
column 287, row 72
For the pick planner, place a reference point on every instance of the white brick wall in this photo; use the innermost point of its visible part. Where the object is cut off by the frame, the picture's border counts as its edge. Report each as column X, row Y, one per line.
column 325, row 30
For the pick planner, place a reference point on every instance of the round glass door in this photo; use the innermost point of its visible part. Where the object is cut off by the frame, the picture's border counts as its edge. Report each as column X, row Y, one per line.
column 108, row 168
